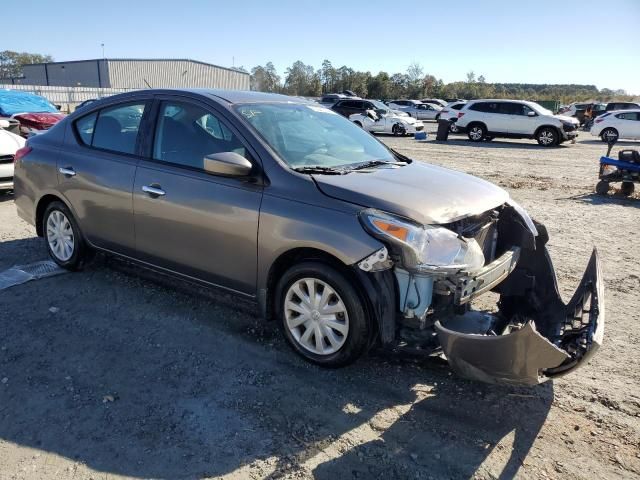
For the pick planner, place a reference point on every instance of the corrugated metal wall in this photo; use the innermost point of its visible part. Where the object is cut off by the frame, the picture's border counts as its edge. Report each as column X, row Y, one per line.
column 134, row 74
column 173, row 74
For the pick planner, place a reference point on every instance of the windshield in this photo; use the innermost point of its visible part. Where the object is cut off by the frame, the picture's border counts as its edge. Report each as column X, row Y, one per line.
column 539, row 109
column 313, row 136
column 380, row 106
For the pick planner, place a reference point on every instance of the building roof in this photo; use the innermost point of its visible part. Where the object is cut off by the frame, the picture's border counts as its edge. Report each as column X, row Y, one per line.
column 139, row 60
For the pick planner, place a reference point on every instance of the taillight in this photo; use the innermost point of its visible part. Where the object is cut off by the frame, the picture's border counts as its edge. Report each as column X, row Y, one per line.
column 21, row 153
column 460, row 114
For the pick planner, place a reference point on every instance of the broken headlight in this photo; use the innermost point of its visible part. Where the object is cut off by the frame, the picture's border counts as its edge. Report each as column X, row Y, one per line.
column 424, row 248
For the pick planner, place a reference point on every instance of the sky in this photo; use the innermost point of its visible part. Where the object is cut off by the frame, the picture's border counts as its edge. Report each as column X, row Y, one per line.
column 542, row 41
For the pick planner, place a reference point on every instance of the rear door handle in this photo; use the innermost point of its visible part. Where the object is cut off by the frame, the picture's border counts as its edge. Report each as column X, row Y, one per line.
column 153, row 191
column 67, row 171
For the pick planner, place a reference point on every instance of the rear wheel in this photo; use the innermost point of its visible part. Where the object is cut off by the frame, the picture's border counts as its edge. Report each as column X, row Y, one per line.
column 477, row 132
column 453, row 128
column 63, row 237
column 322, row 315
column 609, row 135
column 627, row 188
column 547, row 137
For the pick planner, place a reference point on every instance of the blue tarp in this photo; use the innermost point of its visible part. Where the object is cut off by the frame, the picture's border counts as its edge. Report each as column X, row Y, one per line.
column 15, row 101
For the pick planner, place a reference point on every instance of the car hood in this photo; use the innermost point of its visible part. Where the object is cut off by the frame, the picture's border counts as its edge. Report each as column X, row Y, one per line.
column 564, row 118
column 408, row 119
column 425, row 193
column 10, row 143
column 40, row 118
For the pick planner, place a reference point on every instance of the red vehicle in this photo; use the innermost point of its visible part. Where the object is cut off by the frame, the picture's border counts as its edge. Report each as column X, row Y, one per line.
column 35, row 113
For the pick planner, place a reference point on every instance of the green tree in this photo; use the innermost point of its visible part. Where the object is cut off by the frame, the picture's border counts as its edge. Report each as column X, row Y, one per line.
column 265, row 79
column 11, row 62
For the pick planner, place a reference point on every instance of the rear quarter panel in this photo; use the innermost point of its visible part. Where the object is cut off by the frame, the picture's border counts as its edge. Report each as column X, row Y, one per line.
column 36, row 174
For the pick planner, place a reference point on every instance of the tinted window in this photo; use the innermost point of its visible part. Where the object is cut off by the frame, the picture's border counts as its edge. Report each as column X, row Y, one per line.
column 85, row 126
column 117, row 128
column 186, row 133
column 628, row 116
column 459, row 106
column 485, row 107
column 348, row 104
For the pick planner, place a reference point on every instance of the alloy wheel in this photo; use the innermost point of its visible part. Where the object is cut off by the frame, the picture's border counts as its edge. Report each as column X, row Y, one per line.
column 476, row 133
column 60, row 236
column 316, row 316
column 547, row 137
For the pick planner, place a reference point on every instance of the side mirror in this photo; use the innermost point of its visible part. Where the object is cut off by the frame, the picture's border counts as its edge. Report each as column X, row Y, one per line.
column 531, row 114
column 227, row 164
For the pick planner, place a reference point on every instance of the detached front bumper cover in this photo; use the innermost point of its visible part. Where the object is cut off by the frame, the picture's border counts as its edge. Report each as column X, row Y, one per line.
column 557, row 340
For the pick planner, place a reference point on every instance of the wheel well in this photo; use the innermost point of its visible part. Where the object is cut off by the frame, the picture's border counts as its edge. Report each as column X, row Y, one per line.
column 358, row 122
column 42, row 206
column 297, row 255
column 472, row 124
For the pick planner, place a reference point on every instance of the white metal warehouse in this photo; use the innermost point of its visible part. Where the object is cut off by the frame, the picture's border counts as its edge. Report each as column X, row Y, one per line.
column 133, row 74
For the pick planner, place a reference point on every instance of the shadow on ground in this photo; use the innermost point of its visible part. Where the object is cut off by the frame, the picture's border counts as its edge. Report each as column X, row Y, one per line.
column 148, row 379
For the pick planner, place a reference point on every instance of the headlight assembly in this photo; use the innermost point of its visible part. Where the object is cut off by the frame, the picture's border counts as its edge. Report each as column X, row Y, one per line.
column 424, row 248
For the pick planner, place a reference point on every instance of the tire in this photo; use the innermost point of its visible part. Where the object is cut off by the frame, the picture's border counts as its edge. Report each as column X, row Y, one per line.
column 547, row 137
column 64, row 240
column 397, row 130
column 341, row 341
column 602, row 187
column 476, row 132
column 609, row 135
column 488, row 138
column 437, row 118
column 627, row 188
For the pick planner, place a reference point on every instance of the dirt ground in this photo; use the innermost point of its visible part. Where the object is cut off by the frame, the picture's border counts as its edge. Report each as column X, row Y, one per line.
column 131, row 377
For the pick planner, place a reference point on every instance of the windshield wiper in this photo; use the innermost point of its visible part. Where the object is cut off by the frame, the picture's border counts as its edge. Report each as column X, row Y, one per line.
column 322, row 170
column 376, row 163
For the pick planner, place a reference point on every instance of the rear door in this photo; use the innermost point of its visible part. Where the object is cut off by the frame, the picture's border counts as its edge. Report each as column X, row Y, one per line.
column 97, row 170
column 187, row 220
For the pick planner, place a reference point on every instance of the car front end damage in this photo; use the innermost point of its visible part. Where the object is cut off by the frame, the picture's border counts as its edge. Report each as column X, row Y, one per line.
column 423, row 301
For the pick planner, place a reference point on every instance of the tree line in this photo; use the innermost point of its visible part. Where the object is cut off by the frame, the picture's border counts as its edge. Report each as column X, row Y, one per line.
column 305, row 80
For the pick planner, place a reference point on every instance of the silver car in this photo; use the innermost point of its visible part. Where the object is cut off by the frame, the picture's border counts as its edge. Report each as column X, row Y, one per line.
column 343, row 241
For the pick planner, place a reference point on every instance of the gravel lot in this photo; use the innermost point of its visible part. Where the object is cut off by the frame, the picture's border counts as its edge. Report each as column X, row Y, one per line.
column 135, row 376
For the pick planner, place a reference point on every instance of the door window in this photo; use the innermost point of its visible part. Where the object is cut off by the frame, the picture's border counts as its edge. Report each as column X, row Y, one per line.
column 113, row 128
column 186, row 133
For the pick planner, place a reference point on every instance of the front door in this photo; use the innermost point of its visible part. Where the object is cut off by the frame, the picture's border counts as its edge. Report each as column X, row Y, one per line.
column 96, row 173
column 187, row 220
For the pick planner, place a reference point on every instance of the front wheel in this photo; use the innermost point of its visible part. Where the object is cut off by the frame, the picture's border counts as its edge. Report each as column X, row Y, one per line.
column 398, row 130
column 602, row 187
column 547, row 137
column 63, row 237
column 322, row 315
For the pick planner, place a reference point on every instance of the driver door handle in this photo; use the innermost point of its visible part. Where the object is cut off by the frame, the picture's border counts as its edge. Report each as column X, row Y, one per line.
column 153, row 191
column 67, row 171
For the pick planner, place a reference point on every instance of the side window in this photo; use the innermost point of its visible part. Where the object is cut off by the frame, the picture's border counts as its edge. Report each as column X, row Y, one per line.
column 186, row 133
column 458, row 107
column 85, row 126
column 116, row 128
column 480, row 107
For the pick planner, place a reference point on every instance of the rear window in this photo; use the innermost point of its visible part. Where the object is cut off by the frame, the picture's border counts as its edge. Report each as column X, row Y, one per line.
column 458, row 106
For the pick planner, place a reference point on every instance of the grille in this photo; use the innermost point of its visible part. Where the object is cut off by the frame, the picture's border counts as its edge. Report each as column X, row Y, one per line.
column 6, row 158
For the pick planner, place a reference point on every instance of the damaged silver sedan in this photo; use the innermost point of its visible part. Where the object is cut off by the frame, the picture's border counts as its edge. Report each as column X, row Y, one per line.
column 344, row 242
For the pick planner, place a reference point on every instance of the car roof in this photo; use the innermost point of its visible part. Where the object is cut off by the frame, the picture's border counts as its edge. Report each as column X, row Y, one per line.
column 626, row 110
column 227, row 96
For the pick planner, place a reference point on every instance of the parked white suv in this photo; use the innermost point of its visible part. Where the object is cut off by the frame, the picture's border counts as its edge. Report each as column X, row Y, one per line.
column 615, row 125
column 487, row 119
